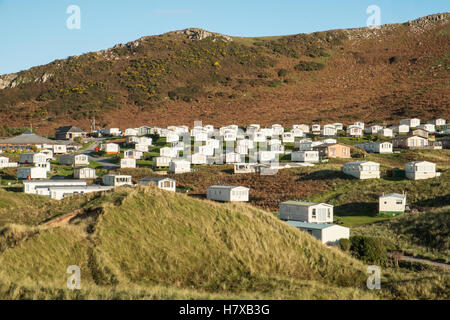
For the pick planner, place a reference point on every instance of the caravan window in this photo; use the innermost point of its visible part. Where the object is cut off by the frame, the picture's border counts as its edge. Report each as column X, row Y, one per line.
column 314, row 214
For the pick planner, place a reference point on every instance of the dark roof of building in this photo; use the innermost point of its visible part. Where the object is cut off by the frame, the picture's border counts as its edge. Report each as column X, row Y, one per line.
column 28, row 138
column 69, row 129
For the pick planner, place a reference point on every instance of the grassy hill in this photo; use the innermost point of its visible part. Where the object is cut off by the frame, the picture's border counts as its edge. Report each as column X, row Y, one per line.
column 380, row 75
column 149, row 244
column 422, row 234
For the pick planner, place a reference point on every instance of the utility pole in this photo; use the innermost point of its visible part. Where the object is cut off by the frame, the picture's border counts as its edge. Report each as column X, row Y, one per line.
column 93, row 124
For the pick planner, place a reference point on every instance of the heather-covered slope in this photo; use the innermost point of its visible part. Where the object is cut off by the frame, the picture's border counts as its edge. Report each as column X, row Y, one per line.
column 373, row 75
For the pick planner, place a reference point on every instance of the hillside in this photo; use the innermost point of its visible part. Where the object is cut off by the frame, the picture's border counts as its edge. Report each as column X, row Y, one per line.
column 148, row 244
column 423, row 234
column 176, row 78
column 149, row 239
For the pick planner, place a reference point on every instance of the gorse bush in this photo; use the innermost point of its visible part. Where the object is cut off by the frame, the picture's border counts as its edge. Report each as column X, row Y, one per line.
column 368, row 249
column 345, row 244
column 309, row 66
column 283, row 72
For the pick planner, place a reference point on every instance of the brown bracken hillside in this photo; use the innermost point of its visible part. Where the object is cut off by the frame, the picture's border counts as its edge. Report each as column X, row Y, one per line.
column 376, row 76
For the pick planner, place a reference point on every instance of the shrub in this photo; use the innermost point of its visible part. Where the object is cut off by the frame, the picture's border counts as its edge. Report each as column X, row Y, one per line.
column 309, row 66
column 283, row 72
column 275, row 83
column 345, row 244
column 367, row 249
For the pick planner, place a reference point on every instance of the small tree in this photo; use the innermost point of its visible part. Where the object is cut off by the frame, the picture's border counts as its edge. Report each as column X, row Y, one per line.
column 369, row 250
column 345, row 245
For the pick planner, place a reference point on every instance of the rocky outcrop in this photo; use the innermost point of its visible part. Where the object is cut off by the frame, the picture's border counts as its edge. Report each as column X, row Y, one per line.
column 13, row 80
column 428, row 20
column 200, row 34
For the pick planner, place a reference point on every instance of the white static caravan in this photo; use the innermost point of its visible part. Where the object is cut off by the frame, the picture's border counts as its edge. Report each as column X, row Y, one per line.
column 110, row 148
column 229, row 136
column 376, row 147
column 329, row 130
column 133, row 154
column 233, row 157
column 437, row 122
column 362, row 169
column 213, row 143
column 278, row 129
column 32, row 158
column 228, row 193
column 316, row 129
column 303, row 127
column 251, row 129
column 401, row 129
column 161, row 162
column 243, row 150
column 386, row 132
column 245, row 143
column 198, row 159
column 113, row 132
column 166, row 184
column 298, row 133
column 31, row 187
column 4, row 163
column 206, row 150
column 168, row 152
column 373, row 129
column 355, row 131
column 328, row 234
column 431, row 128
column 288, row 137
column 305, row 156
column 179, row 166
column 116, row 180
column 303, row 145
column 45, row 165
column 127, row 163
column 209, row 129
column 244, row 168
column 61, row 192
column 84, row 173
column 266, row 156
column 74, row 160
column 25, row 173
column 200, row 136
column 141, row 147
column 172, row 137
column 392, row 204
column 360, row 124
column 59, row 149
column 420, row 170
column 144, row 141
column 339, row 126
column 306, row 211
column 258, row 137
column 131, row 132
column 48, row 153
column 276, row 147
column 412, row 123
column 329, row 141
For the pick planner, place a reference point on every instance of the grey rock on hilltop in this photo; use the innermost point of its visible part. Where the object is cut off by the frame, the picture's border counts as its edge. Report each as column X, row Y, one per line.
column 200, row 34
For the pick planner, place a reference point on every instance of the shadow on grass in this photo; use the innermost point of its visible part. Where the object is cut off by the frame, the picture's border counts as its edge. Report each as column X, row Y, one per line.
column 367, row 209
column 435, row 202
column 325, row 175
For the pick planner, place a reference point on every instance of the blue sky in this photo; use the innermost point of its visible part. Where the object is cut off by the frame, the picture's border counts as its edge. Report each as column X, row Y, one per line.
column 34, row 32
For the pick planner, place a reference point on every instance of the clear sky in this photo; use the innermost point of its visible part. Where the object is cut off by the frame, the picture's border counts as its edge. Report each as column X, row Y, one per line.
column 35, row 32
